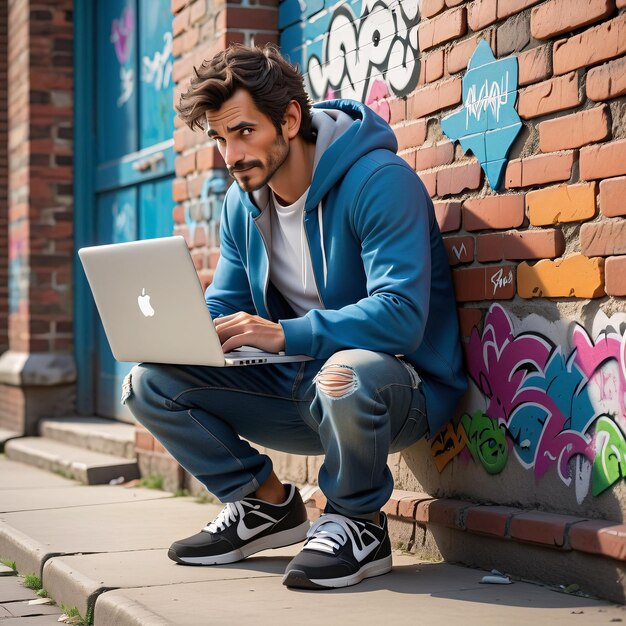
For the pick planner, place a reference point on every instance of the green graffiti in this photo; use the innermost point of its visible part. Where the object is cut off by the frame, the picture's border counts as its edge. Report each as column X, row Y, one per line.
column 486, row 441
column 610, row 462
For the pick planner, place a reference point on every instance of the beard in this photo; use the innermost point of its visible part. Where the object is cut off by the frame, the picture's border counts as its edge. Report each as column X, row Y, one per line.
column 277, row 155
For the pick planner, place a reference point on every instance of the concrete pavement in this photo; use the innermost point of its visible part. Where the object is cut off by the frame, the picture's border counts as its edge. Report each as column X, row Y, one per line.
column 102, row 549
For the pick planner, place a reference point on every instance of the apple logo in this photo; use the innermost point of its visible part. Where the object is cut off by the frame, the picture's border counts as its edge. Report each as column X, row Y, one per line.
column 144, row 304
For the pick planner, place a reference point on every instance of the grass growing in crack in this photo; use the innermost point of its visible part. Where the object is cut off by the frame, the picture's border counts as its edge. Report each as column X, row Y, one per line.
column 10, row 564
column 152, row 481
column 181, row 493
column 32, row 582
column 75, row 618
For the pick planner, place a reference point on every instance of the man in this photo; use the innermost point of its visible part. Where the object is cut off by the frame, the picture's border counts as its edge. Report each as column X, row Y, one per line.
column 329, row 248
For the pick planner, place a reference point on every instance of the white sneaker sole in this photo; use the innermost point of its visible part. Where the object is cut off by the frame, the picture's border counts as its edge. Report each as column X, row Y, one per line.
column 275, row 540
column 297, row 578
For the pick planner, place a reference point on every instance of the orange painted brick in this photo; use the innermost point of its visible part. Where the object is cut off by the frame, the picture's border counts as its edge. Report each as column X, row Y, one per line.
column 448, row 215
column 607, row 81
column 563, row 203
column 185, row 164
column 539, row 170
column 561, row 16
column 510, row 7
column 482, row 13
column 430, row 8
column 493, row 212
column 179, row 190
column 575, row 130
column 495, row 282
column 615, row 275
column 445, row 27
column 534, row 65
column 518, row 245
column 469, row 319
column 599, row 537
column 544, row 528
column 576, row 276
column 603, row 160
column 593, row 46
column 489, row 520
column 453, row 180
column 613, row 196
column 411, row 135
column 441, row 153
column 435, row 97
column 459, row 249
column 603, row 238
column 556, row 94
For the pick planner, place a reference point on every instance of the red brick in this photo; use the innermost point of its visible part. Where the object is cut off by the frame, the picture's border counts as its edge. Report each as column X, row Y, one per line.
column 603, row 238
column 430, row 182
column 459, row 249
column 180, row 22
column 482, row 13
column 433, row 155
column 573, row 277
column 458, row 56
column 496, row 282
column 575, row 130
column 615, row 276
column 435, row 97
column 143, row 439
column 510, row 7
column 468, row 320
column 607, row 81
column 179, row 190
column 544, row 528
column 444, row 511
column 561, row 16
column 599, row 537
column 409, row 157
column 209, row 158
column 433, row 66
column 489, row 520
column 411, row 135
column 593, row 46
column 493, row 212
column 190, row 39
column 194, row 186
column 603, row 160
column 538, row 170
column 455, row 179
column 177, row 5
column 556, row 94
column 448, row 215
column 445, row 27
column 397, row 106
column 247, row 18
column 534, row 65
column 198, row 11
column 520, row 245
column 185, row 164
column 430, row 8
column 613, row 197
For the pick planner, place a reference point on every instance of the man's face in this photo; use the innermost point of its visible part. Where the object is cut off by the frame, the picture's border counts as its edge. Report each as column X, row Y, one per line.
column 247, row 140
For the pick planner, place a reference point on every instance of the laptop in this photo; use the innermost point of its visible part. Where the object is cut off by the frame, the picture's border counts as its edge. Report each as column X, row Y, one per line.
column 152, row 306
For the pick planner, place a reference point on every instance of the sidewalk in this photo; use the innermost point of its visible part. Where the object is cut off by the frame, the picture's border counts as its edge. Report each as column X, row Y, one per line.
column 102, row 550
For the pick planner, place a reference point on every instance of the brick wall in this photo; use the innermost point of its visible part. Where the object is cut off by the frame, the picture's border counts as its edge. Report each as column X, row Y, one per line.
column 4, row 182
column 40, row 180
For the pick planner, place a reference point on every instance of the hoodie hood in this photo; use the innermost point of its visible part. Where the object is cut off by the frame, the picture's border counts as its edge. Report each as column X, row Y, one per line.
column 346, row 131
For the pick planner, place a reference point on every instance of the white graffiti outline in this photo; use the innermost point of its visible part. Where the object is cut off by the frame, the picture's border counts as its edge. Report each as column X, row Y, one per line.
column 491, row 96
column 157, row 70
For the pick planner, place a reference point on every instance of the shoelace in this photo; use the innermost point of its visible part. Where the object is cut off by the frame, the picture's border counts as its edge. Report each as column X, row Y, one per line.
column 229, row 514
column 329, row 533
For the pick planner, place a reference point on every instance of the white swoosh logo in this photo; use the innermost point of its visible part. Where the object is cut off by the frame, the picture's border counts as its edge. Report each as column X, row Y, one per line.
column 246, row 533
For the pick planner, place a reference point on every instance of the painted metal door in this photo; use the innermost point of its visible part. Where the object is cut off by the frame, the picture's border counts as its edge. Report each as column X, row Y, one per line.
column 134, row 147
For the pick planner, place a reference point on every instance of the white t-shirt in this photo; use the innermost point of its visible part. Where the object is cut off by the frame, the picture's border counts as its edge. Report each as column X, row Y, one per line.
column 291, row 270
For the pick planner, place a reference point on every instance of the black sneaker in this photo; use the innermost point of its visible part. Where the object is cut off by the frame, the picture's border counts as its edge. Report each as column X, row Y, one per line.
column 244, row 528
column 339, row 552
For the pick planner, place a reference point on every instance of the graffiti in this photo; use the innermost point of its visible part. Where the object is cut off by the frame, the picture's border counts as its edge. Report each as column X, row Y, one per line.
column 498, row 280
column 157, row 70
column 18, row 270
column 566, row 411
column 376, row 99
column 489, row 137
column 121, row 38
column 380, row 45
column 459, row 252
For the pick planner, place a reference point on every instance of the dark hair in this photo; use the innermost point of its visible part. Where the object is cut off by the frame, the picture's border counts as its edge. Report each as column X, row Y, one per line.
column 270, row 80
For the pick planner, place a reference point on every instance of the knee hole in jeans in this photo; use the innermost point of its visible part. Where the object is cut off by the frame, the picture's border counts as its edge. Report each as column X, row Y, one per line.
column 336, row 381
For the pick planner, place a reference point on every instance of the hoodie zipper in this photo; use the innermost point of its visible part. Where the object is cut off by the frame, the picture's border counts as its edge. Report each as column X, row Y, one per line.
column 268, row 251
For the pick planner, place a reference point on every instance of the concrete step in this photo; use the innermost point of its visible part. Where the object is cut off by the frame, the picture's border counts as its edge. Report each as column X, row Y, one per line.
column 6, row 435
column 92, row 433
column 86, row 466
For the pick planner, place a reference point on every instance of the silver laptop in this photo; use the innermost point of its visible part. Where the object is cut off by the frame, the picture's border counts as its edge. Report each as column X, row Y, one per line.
column 152, row 306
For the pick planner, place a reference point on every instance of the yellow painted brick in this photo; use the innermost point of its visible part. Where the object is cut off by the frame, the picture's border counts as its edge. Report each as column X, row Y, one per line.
column 563, row 203
column 576, row 276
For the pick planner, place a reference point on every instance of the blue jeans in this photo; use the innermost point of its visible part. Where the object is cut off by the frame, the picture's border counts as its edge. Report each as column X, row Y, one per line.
column 354, row 408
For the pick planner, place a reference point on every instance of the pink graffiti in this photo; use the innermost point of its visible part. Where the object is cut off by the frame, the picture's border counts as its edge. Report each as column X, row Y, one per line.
column 375, row 99
column 121, row 32
column 330, row 94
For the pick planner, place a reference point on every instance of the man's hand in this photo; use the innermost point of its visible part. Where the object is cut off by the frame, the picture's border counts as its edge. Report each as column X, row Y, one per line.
column 243, row 329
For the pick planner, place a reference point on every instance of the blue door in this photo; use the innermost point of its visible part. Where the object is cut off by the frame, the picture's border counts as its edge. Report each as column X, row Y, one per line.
column 133, row 152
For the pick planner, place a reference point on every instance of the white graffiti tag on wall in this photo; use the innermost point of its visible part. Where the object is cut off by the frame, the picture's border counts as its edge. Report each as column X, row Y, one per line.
column 157, row 70
column 380, row 44
column 122, row 39
column 491, row 96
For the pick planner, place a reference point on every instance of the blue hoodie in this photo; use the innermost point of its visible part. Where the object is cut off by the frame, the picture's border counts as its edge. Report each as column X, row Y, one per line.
column 380, row 266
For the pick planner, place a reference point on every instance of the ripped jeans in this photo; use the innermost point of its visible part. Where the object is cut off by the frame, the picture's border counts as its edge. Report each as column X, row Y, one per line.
column 354, row 409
